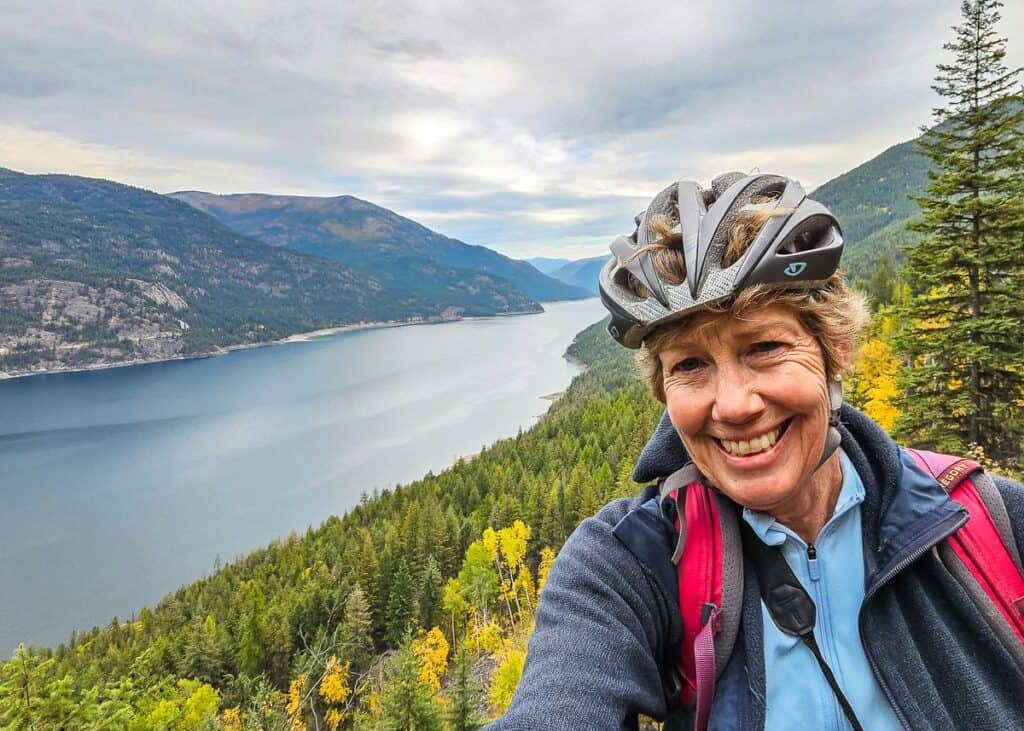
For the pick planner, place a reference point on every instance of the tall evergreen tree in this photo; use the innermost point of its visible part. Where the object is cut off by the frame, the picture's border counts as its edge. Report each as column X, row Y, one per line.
column 463, row 713
column 964, row 383
column 406, row 702
column 400, row 610
column 429, row 612
column 356, row 634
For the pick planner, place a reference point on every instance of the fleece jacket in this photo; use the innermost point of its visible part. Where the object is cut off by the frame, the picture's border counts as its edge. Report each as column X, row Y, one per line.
column 608, row 618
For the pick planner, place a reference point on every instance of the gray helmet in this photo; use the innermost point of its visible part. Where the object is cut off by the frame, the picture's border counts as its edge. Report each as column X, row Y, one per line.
column 803, row 245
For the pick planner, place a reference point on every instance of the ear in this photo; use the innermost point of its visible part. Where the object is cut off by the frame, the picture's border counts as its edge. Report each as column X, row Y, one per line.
column 846, row 354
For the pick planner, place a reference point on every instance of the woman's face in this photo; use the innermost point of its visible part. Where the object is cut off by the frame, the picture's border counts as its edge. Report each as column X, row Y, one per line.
column 749, row 399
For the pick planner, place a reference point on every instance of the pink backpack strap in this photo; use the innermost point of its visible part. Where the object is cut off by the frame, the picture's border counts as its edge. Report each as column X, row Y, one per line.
column 709, row 576
column 983, row 553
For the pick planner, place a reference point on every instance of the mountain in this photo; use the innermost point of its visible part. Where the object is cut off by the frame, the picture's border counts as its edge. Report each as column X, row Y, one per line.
column 546, row 265
column 93, row 272
column 873, row 205
column 582, row 273
column 370, row 239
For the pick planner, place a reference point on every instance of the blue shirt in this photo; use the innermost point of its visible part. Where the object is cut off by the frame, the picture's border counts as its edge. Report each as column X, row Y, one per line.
column 798, row 696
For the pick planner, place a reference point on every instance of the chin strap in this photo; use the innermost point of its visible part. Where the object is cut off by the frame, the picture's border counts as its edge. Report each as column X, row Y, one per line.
column 832, row 436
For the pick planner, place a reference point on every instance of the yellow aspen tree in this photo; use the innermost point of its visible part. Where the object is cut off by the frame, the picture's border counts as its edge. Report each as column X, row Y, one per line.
column 491, row 543
column 547, row 559
column 513, row 541
column 334, row 686
column 335, row 690
column 432, row 652
column 506, row 678
column 296, row 694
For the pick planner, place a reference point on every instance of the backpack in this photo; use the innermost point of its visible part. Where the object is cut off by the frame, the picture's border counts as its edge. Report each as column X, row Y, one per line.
column 709, row 561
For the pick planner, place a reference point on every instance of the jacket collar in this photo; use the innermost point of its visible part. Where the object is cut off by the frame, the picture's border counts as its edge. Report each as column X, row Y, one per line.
column 904, row 509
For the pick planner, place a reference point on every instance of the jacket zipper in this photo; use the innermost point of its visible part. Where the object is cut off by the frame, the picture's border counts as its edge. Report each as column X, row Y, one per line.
column 827, row 644
column 943, row 533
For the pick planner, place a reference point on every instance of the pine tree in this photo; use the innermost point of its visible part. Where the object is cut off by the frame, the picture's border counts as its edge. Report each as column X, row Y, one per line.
column 406, row 702
column 963, row 347
column 355, row 634
column 368, row 574
column 400, row 603
column 428, row 596
column 463, row 713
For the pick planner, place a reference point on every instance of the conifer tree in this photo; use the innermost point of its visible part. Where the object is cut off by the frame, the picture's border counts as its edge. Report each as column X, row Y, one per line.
column 368, row 574
column 407, row 703
column 463, row 713
column 400, row 603
column 964, row 382
column 355, row 634
column 428, row 595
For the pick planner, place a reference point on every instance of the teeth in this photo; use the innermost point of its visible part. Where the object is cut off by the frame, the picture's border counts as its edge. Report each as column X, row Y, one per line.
column 753, row 446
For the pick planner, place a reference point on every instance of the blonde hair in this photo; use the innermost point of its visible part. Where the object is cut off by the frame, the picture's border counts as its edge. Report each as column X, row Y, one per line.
column 832, row 313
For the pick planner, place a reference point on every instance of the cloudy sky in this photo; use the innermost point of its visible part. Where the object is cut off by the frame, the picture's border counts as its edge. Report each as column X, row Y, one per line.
column 535, row 128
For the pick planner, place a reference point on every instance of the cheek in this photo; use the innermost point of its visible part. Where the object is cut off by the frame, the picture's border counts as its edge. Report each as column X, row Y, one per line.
column 687, row 411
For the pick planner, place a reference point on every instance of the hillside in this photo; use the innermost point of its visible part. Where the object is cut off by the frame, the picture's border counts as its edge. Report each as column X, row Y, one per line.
column 370, row 239
column 546, row 265
column 582, row 273
column 872, row 202
column 93, row 272
column 242, row 647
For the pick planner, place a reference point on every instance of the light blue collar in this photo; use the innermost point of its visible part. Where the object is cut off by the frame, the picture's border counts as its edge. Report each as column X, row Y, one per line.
column 773, row 533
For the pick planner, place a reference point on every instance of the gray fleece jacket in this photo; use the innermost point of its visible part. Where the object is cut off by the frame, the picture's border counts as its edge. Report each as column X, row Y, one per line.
column 608, row 618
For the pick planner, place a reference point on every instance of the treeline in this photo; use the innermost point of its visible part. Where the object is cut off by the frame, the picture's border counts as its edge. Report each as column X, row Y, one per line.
column 419, row 600
column 944, row 367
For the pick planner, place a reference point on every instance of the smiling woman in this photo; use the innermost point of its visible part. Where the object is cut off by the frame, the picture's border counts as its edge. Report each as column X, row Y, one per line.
column 745, row 328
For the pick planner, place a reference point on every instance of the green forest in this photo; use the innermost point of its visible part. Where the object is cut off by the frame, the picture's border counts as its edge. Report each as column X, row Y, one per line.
column 413, row 609
column 418, row 601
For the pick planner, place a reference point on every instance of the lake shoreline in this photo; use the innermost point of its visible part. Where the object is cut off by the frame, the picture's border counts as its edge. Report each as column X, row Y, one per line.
column 302, row 337
column 121, row 489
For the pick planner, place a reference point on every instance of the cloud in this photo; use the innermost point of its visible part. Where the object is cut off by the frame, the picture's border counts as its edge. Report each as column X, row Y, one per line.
column 529, row 127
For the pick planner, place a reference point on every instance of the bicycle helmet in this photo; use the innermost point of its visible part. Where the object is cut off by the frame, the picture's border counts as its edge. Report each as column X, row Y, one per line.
column 801, row 245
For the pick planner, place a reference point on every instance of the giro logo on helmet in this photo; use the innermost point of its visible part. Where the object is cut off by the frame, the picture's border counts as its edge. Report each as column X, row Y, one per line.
column 795, row 268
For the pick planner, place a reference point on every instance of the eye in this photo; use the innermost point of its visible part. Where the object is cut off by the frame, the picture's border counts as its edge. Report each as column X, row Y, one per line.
column 686, row 365
column 765, row 347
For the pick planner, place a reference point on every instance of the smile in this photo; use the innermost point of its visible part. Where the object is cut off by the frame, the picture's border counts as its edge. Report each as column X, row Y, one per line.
column 756, row 445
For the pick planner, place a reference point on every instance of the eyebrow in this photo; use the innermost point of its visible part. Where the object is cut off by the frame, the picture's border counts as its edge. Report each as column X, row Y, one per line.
column 743, row 330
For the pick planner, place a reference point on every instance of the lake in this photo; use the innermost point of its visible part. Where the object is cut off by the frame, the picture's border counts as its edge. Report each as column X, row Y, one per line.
column 118, row 486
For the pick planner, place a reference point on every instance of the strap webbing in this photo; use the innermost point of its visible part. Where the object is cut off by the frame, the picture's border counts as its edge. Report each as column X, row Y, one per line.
column 790, row 606
column 704, row 665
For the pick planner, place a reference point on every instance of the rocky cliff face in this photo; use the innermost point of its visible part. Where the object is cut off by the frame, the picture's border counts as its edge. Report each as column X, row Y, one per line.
column 94, row 273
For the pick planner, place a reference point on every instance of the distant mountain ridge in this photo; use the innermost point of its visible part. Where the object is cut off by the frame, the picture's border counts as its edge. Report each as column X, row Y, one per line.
column 370, row 239
column 94, row 273
column 582, row 272
column 546, row 265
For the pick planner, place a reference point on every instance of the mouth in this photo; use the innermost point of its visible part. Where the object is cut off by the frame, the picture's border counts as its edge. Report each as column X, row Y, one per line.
column 757, row 445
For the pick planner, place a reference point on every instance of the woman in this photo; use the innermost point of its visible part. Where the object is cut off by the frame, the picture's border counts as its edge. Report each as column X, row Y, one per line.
column 745, row 329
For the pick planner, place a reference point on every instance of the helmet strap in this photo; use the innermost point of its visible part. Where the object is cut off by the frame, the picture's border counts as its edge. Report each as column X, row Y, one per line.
column 832, row 436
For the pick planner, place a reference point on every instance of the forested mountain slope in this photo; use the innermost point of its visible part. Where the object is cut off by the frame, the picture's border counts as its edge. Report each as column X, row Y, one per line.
column 95, row 272
column 371, row 239
column 873, row 205
column 254, row 644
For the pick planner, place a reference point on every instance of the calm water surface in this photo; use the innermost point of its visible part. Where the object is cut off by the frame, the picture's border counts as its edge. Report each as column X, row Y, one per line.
column 118, row 486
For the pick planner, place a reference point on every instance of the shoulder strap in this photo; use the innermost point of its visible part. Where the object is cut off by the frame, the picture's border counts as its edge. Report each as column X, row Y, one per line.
column 708, row 557
column 983, row 554
column 791, row 607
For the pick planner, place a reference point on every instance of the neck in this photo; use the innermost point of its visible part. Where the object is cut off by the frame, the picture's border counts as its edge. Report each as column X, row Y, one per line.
column 808, row 511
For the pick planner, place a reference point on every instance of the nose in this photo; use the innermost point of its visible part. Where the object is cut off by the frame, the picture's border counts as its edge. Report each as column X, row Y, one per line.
column 737, row 399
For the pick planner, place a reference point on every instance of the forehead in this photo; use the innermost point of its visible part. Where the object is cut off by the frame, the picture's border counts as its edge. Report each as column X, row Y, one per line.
column 709, row 328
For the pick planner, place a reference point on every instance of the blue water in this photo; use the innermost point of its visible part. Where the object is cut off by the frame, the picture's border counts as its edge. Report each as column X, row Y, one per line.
column 118, row 486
